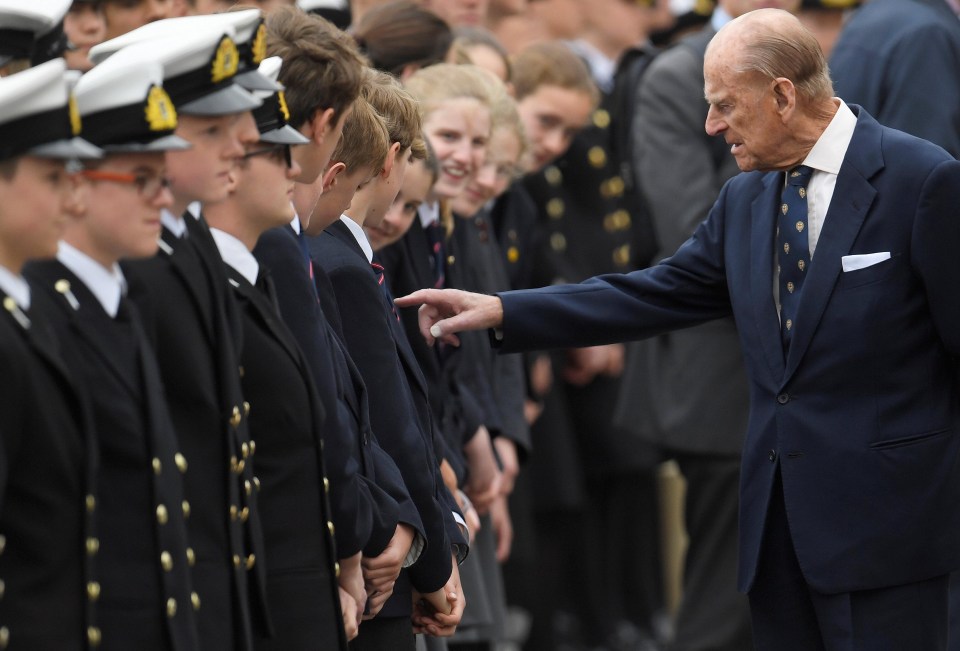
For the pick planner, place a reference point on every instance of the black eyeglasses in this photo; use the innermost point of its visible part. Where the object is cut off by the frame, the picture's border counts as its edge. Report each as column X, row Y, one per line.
column 272, row 150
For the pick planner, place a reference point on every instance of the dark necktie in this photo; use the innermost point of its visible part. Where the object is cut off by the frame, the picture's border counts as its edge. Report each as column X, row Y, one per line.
column 435, row 236
column 793, row 248
column 388, row 297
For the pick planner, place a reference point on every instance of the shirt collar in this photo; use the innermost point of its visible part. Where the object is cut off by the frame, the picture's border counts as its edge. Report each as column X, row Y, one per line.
column 236, row 254
column 295, row 223
column 173, row 223
column 360, row 236
column 602, row 68
column 429, row 213
column 827, row 154
column 15, row 287
column 107, row 285
column 194, row 208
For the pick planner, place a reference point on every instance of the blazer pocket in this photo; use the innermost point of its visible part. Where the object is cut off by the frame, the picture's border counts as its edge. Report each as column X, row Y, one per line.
column 910, row 440
column 870, row 274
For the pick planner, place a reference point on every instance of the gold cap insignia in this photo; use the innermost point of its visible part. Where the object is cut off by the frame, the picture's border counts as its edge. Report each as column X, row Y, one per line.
column 282, row 99
column 74, row 115
column 159, row 112
column 259, row 46
column 225, row 61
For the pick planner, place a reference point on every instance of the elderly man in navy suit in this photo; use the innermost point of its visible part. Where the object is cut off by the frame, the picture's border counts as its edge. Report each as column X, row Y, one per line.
column 836, row 255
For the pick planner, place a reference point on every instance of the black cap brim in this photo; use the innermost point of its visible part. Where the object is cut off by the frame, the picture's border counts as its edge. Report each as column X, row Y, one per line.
column 285, row 135
column 227, row 100
column 67, row 148
column 166, row 143
column 254, row 80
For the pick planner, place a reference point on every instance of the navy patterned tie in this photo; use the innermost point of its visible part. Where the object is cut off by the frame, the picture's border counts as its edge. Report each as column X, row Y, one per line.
column 793, row 248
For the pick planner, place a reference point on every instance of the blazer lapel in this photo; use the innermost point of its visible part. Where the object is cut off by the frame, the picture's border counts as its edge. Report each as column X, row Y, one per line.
column 851, row 201
column 763, row 220
column 264, row 311
column 188, row 265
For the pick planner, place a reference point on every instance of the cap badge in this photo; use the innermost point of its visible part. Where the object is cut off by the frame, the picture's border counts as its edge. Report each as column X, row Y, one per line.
column 259, row 47
column 225, row 61
column 282, row 99
column 74, row 115
column 159, row 112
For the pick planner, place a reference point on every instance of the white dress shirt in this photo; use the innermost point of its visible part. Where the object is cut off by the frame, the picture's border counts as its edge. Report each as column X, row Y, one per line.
column 15, row 287
column 235, row 253
column 106, row 284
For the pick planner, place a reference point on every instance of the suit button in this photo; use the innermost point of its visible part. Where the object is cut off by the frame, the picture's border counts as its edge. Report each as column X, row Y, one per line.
column 171, row 607
column 191, row 557
column 195, row 600
column 93, row 546
column 233, row 512
column 93, row 590
column 162, row 515
column 772, row 455
column 91, row 502
column 181, row 462
column 236, row 560
column 251, row 561
column 4, row 637
column 330, row 527
column 157, row 466
column 336, row 570
column 93, row 636
column 166, row 561
column 3, row 543
column 244, row 450
column 247, row 487
column 244, row 514
column 783, row 398
column 235, row 416
column 246, row 408
column 3, row 588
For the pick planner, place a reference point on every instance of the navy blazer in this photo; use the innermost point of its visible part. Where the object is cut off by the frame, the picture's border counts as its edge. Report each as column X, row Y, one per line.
column 862, row 414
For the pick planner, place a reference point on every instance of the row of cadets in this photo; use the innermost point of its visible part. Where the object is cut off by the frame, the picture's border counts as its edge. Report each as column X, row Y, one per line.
column 192, row 320
column 31, row 33
column 143, row 593
column 47, row 454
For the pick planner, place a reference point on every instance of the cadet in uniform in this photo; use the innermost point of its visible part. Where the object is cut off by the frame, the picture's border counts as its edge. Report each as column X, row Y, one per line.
column 47, row 542
column 144, row 595
column 192, row 322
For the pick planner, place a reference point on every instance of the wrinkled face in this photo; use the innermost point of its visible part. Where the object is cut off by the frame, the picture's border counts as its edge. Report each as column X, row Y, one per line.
column 126, row 15
column 122, row 219
column 263, row 186
column 494, row 176
column 84, row 26
column 202, row 173
column 458, row 129
column 552, row 116
column 458, row 13
column 399, row 217
column 743, row 111
column 33, row 204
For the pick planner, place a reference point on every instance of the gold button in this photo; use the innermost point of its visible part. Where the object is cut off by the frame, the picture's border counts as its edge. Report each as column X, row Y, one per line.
column 336, row 570
column 195, row 600
column 162, row 516
column 326, row 485
column 240, row 371
column 235, row 417
column 597, row 156
column 240, row 466
column 558, row 242
column 62, row 286
column 244, row 450
column 93, row 590
column 4, row 637
column 185, row 505
column 256, row 483
column 247, row 487
column 3, row 543
column 91, row 502
column 233, row 464
column 451, row 259
column 621, row 255
column 93, row 636
column 553, row 175
column 171, row 607
column 233, row 512
column 3, row 588
column 244, row 514
column 601, row 119
column 93, row 546
column 555, row 208
column 157, row 466
column 330, row 527
column 181, row 462
column 251, row 561
column 246, row 408
column 166, row 561
column 513, row 254
column 253, row 447
column 191, row 557
column 236, row 560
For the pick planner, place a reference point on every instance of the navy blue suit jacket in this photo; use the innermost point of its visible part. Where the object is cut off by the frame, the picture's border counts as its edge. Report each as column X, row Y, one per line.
column 862, row 414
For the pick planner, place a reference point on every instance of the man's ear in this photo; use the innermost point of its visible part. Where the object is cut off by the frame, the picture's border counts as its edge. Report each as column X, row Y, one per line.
column 330, row 176
column 319, row 125
column 785, row 94
column 390, row 160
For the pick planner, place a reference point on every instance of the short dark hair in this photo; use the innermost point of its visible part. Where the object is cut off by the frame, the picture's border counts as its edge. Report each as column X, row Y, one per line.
column 402, row 33
column 321, row 65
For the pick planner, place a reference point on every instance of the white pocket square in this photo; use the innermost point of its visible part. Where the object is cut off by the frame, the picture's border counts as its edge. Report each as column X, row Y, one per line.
column 854, row 262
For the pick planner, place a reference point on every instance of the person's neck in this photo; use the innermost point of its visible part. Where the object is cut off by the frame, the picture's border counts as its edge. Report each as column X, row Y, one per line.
column 179, row 206
column 358, row 209
column 226, row 217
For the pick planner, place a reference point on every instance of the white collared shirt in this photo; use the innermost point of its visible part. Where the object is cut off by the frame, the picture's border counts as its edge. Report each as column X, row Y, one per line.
column 15, row 287
column 173, row 223
column 107, row 285
column 428, row 213
column 236, row 254
column 295, row 222
column 360, row 236
column 602, row 68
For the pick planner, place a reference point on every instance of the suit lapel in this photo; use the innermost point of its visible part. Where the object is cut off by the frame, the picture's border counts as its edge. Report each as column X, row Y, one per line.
column 851, row 201
column 763, row 220
column 264, row 311
column 189, row 267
